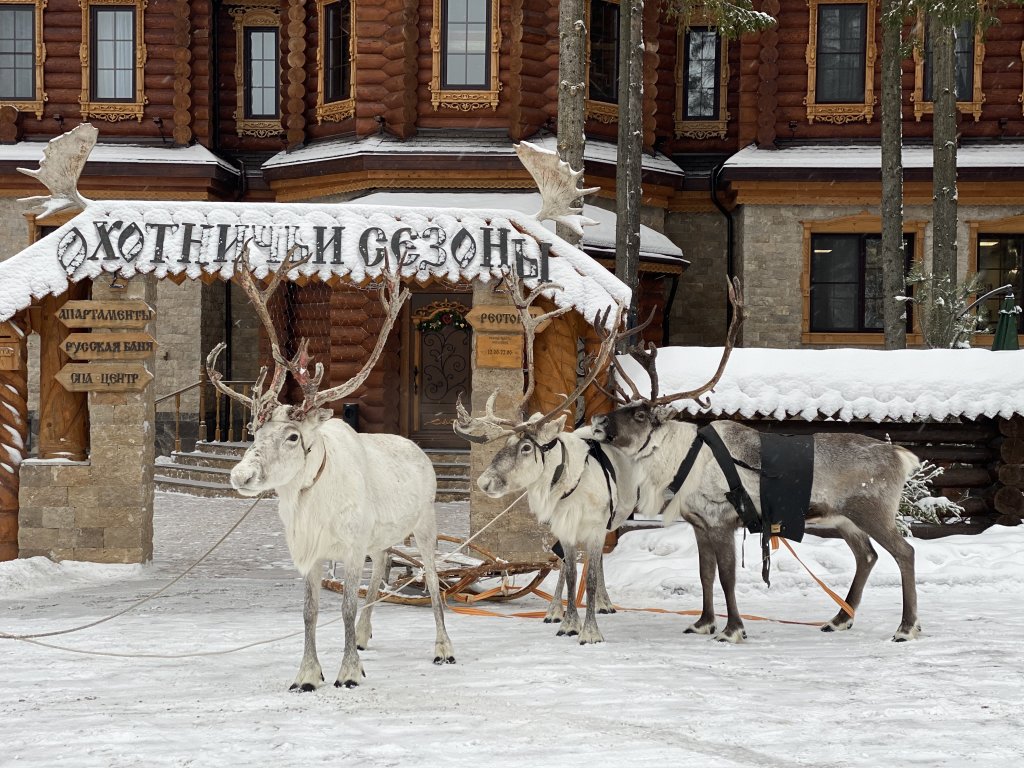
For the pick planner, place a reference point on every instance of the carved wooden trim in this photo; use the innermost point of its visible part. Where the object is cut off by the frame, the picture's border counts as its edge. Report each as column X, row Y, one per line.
column 110, row 110
column 601, row 111
column 334, row 111
column 1021, row 97
column 968, row 107
column 464, row 100
column 39, row 97
column 702, row 129
column 768, row 80
column 515, row 73
column 252, row 14
column 182, row 100
column 841, row 113
column 861, row 223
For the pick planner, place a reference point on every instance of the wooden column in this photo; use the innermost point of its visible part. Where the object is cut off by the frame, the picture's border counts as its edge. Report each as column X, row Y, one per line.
column 13, row 431
column 63, row 415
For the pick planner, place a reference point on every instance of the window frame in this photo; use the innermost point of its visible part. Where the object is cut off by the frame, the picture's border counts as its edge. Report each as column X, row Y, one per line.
column 970, row 106
column 39, row 97
column 246, row 17
column 334, row 110
column 701, row 128
column 601, row 111
column 107, row 109
column 842, row 112
column 462, row 98
column 864, row 223
column 1011, row 225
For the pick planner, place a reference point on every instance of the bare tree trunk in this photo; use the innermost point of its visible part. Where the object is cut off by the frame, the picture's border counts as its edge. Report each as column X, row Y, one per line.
column 893, row 253
column 571, row 91
column 944, row 206
column 628, row 184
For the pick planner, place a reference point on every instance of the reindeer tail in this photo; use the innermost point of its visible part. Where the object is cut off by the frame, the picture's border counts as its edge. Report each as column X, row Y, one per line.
column 909, row 460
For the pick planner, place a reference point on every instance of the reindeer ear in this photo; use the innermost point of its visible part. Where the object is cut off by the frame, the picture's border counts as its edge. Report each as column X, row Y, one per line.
column 663, row 413
column 549, row 431
column 323, row 414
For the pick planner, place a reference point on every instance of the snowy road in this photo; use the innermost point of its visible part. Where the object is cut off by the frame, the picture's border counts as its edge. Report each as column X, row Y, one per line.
column 789, row 696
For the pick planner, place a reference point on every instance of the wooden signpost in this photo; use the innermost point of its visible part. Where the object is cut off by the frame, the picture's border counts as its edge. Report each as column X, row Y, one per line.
column 113, row 372
column 498, row 331
column 10, row 348
column 501, row 319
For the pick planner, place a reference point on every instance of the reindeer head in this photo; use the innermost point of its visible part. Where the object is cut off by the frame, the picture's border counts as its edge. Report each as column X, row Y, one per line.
column 285, row 435
column 520, row 461
column 630, row 426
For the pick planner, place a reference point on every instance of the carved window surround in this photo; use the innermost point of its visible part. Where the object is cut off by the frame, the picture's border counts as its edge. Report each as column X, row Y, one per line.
column 601, row 111
column 863, row 223
column 251, row 13
column 1021, row 97
column 701, row 129
column 467, row 99
column 113, row 111
column 971, row 107
column 841, row 113
column 39, row 99
column 334, row 111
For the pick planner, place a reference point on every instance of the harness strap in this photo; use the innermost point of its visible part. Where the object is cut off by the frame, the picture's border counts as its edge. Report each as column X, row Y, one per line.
column 561, row 465
column 595, row 449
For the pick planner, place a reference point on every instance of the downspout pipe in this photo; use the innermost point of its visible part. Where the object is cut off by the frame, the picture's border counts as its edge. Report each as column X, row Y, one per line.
column 730, row 233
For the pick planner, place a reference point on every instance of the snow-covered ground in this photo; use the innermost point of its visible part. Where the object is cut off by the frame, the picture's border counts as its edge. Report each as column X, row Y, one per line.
column 519, row 696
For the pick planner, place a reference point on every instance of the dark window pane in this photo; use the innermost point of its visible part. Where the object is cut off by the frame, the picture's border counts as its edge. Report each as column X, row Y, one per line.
column 17, row 52
column 702, row 69
column 113, row 53
column 842, row 37
column 999, row 263
column 963, row 55
column 603, row 76
column 466, row 37
column 261, row 63
column 337, row 57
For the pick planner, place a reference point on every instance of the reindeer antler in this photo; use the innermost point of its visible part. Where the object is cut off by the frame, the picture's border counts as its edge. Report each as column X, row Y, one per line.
column 63, row 160
column 648, row 357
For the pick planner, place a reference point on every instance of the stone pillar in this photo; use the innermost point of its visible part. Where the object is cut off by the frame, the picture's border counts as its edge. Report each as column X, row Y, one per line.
column 99, row 510
column 517, row 536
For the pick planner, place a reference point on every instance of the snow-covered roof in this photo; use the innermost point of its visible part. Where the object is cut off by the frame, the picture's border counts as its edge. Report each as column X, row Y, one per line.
column 349, row 241
column 845, row 384
column 30, row 153
column 476, row 144
column 1008, row 154
column 600, row 236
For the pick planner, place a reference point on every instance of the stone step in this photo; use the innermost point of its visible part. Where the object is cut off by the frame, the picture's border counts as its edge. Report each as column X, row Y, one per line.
column 223, row 448
column 204, row 459
column 453, row 482
column 452, row 495
column 438, row 456
column 195, row 487
column 186, row 472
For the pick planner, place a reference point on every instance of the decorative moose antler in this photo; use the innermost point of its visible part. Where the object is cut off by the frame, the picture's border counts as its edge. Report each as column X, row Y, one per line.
column 490, row 426
column 647, row 358
column 62, row 164
column 558, row 184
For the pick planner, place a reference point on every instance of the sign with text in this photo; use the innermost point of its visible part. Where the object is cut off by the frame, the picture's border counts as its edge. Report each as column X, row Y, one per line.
column 500, row 319
column 10, row 348
column 105, row 314
column 504, row 350
column 104, row 377
column 108, row 346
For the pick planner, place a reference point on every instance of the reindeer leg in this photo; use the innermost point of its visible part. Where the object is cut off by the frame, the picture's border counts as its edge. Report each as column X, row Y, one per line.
column 725, row 553
column 590, row 632
column 363, row 629
column 603, row 602
column 571, row 622
column 351, row 672
column 426, row 542
column 555, row 608
column 888, row 537
column 866, row 557
column 310, row 676
column 705, row 624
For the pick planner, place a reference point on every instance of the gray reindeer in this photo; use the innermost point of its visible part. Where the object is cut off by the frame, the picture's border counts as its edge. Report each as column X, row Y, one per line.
column 856, row 487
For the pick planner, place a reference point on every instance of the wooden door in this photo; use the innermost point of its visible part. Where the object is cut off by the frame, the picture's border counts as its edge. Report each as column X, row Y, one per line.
column 440, row 370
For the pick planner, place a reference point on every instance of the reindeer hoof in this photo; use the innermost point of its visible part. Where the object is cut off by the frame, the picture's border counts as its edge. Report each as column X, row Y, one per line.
column 345, row 684
column 304, row 688
column 360, row 647
column 552, row 621
column 904, row 633
column 439, row 660
column 705, row 629
column 606, row 610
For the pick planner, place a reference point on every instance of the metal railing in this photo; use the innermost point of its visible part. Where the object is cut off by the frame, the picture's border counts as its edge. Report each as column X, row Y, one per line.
column 219, row 409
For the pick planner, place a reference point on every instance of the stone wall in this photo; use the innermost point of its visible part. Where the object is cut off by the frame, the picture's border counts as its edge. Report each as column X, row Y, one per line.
column 100, row 510
column 699, row 311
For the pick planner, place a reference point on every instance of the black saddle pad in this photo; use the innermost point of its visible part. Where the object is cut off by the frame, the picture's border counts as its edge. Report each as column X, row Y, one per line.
column 787, row 472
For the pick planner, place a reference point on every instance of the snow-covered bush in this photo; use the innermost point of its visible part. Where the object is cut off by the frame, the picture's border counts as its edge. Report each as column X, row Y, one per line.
column 941, row 307
column 918, row 505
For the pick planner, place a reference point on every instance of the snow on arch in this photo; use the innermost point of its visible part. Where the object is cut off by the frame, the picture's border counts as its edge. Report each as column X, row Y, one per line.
column 347, row 240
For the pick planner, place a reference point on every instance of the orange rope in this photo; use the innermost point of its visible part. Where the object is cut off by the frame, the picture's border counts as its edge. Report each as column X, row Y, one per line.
column 839, row 601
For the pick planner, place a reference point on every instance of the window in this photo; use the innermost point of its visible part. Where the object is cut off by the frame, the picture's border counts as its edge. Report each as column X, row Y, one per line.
column 257, row 71
column 465, row 40
column 335, row 99
column 702, row 82
column 114, row 57
column 999, row 263
column 17, row 52
column 842, row 278
column 841, row 61
column 969, row 53
column 603, row 60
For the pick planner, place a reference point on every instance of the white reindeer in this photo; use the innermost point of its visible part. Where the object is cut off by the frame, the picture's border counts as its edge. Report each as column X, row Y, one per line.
column 574, row 485
column 856, row 490
column 342, row 495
